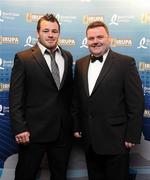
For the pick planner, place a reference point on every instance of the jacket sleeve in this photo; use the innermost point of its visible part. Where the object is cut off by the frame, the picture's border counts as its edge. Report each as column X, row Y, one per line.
column 75, row 108
column 16, row 97
column 134, row 98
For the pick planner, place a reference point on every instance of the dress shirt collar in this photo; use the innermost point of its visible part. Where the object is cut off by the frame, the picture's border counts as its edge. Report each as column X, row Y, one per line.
column 43, row 48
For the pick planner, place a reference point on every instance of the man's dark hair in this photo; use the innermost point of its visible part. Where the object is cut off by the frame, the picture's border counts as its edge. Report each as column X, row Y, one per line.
column 97, row 24
column 47, row 17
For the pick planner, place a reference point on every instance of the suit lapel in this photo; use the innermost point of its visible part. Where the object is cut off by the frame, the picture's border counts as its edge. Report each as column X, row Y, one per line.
column 85, row 66
column 105, row 69
column 41, row 61
column 65, row 67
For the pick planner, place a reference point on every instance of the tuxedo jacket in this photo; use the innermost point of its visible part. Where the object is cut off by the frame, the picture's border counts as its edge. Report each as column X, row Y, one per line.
column 113, row 113
column 36, row 105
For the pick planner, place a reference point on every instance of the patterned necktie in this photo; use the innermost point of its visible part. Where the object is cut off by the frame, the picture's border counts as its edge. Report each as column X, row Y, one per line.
column 93, row 58
column 54, row 68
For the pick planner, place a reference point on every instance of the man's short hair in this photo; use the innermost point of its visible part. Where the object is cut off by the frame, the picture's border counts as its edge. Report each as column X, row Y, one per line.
column 97, row 24
column 47, row 17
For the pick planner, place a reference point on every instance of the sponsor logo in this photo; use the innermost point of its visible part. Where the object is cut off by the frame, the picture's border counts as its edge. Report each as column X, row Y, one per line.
column 144, row 43
column 9, row 40
column 145, row 18
column 65, row 19
column 147, row 113
column 1, row 19
column 67, row 42
column 8, row 15
column 121, row 42
column 1, row 64
column 3, row 110
column 115, row 19
column 30, row 42
column 4, row 87
column 84, row 43
column 88, row 19
column 32, row 17
column 146, row 90
column 5, row 63
column 144, row 66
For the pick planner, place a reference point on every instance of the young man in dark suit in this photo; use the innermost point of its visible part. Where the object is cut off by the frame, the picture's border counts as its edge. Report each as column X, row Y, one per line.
column 40, row 97
column 107, row 106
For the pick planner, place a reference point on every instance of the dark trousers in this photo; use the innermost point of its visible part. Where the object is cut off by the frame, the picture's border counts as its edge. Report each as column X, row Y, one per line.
column 107, row 167
column 30, row 157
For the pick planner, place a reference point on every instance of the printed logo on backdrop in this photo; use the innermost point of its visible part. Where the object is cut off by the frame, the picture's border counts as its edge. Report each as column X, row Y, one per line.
column 9, row 40
column 33, row 17
column 116, row 19
column 4, row 87
column 8, row 16
column 84, row 43
column 121, row 42
column 1, row 19
column 67, row 42
column 30, row 41
column 5, row 64
column 65, row 19
column 88, row 19
column 145, row 18
column 146, row 90
column 3, row 110
column 144, row 66
column 144, row 43
column 147, row 113
column 1, row 64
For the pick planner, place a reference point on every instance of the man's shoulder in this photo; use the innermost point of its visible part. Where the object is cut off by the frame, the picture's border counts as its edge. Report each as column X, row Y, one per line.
column 82, row 59
column 26, row 54
column 121, row 56
column 65, row 51
column 25, row 51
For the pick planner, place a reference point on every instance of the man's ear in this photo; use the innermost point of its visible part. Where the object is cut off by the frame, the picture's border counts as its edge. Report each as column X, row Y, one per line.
column 37, row 34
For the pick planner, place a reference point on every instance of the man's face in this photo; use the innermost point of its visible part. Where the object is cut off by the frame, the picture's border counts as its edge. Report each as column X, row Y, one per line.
column 48, row 34
column 98, row 41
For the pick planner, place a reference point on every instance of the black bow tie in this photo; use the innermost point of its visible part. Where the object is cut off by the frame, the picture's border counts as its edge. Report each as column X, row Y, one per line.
column 93, row 58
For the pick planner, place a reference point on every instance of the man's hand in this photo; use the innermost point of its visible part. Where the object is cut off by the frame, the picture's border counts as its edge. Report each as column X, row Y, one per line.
column 129, row 145
column 78, row 134
column 23, row 138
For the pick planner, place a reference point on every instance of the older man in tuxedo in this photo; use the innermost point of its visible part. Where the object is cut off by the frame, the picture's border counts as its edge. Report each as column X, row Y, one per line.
column 107, row 106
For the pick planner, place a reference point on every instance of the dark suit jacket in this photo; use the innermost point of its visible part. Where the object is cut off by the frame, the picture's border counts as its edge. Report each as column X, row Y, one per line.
column 36, row 105
column 113, row 113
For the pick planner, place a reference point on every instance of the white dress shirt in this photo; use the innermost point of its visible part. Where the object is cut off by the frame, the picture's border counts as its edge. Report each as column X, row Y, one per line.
column 94, row 71
column 58, row 57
